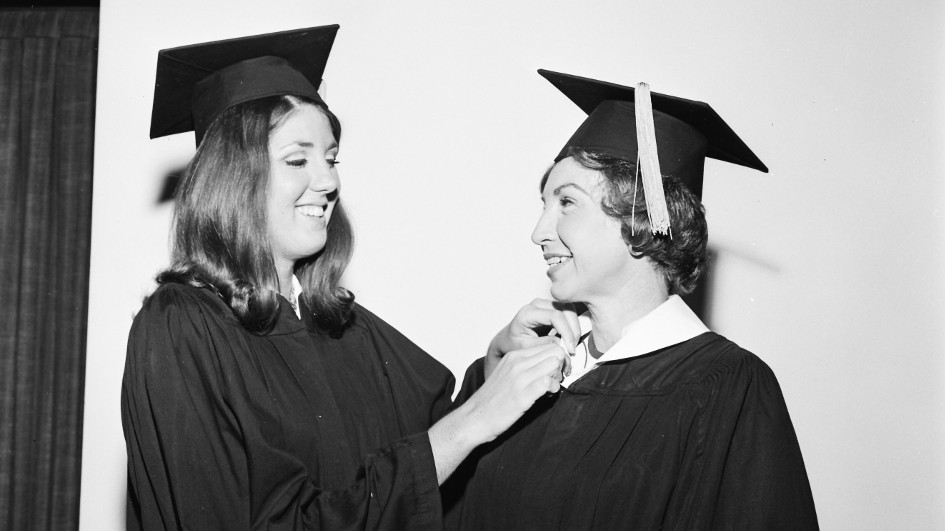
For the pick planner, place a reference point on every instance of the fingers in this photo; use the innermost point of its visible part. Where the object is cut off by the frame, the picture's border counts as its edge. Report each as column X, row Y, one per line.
column 566, row 365
column 540, row 341
column 544, row 313
column 566, row 325
column 543, row 348
column 546, row 382
column 546, row 304
column 519, row 379
column 535, row 315
column 547, row 364
column 543, row 358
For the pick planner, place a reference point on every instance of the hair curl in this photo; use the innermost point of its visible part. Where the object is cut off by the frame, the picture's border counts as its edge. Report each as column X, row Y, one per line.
column 682, row 258
column 220, row 235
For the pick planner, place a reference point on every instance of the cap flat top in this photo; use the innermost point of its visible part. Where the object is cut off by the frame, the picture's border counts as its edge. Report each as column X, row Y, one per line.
column 180, row 69
column 723, row 143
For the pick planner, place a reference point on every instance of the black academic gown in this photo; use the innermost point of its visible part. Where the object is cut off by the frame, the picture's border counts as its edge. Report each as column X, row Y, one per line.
column 693, row 436
column 289, row 430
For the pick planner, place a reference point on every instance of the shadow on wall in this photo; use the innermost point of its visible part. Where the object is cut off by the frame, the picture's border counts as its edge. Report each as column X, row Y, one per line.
column 700, row 300
column 171, row 181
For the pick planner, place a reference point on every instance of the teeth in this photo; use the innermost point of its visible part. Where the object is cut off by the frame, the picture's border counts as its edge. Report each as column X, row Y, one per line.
column 312, row 211
column 554, row 260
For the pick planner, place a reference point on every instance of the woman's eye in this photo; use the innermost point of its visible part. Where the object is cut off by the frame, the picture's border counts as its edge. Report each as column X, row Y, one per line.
column 565, row 201
column 297, row 163
column 333, row 162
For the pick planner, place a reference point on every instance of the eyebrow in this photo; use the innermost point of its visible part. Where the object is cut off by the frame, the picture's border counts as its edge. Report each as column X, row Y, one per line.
column 307, row 145
column 557, row 191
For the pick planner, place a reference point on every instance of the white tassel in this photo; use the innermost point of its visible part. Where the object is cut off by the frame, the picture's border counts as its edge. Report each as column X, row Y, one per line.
column 648, row 161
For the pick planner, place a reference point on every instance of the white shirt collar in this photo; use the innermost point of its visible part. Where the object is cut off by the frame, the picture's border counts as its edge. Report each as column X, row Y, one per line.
column 294, row 297
column 670, row 323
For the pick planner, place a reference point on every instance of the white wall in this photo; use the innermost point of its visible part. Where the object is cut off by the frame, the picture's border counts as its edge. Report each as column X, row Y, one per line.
column 830, row 268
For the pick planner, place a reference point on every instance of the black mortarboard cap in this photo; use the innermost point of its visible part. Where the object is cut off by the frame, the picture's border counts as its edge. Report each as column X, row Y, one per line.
column 196, row 83
column 687, row 131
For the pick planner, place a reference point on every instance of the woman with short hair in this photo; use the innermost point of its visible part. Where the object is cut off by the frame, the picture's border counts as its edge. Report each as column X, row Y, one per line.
column 662, row 424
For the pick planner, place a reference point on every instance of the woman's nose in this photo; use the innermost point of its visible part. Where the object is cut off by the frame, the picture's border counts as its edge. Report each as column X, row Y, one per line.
column 323, row 179
column 544, row 229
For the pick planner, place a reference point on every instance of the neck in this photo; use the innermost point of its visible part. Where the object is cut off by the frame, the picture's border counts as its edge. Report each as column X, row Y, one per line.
column 284, row 272
column 611, row 315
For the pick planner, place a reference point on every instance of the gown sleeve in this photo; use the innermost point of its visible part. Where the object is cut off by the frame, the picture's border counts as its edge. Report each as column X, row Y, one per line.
column 453, row 490
column 474, row 378
column 190, row 467
column 743, row 469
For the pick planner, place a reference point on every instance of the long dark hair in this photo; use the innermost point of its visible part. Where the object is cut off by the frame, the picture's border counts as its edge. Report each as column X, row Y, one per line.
column 220, row 236
column 681, row 259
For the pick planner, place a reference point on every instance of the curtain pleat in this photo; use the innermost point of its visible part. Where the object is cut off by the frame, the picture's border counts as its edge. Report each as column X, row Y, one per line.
column 47, row 95
column 11, row 52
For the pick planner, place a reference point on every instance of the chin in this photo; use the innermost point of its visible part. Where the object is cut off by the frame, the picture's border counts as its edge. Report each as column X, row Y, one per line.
column 562, row 294
column 310, row 251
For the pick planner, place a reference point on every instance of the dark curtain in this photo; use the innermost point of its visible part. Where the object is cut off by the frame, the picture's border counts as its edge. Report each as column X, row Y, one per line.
column 47, row 100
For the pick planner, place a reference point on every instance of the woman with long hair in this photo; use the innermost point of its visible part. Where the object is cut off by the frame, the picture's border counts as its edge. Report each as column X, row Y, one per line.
column 257, row 394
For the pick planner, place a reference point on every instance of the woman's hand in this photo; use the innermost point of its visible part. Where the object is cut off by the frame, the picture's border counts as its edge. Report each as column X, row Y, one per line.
column 519, row 378
column 541, row 322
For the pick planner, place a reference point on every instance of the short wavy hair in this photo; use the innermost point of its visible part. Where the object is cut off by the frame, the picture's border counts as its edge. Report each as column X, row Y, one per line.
column 682, row 258
column 220, row 235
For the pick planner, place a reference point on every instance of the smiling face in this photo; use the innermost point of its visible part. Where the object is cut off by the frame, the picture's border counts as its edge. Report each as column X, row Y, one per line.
column 303, row 185
column 587, row 257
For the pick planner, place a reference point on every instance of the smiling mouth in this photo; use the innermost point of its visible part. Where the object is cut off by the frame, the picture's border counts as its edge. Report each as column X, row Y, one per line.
column 311, row 211
column 557, row 260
